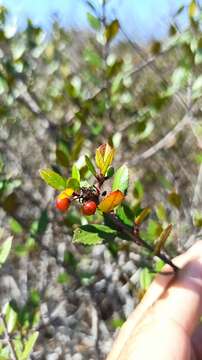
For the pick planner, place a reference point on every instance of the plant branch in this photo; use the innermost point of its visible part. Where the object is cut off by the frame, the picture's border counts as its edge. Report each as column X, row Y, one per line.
column 142, row 53
column 170, row 136
column 135, row 237
column 149, row 61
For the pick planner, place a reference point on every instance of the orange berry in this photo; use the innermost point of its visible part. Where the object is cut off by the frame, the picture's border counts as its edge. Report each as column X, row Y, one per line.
column 62, row 203
column 89, row 207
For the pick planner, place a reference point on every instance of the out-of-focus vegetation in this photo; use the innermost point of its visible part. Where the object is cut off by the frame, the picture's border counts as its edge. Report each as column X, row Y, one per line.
column 60, row 97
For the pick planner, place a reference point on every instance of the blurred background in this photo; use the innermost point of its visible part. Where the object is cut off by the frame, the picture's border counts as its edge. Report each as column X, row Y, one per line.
column 74, row 75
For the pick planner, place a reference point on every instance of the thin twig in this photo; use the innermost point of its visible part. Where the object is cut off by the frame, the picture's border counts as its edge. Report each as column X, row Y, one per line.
column 142, row 53
column 135, row 237
column 170, row 136
column 149, row 61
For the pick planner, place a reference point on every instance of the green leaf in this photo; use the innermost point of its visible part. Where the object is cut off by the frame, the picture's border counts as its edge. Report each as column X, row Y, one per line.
column 29, row 345
column 165, row 182
column 162, row 239
column 197, row 218
column 63, row 278
column 108, row 156
column 76, row 173
column 179, row 78
column 3, row 85
column 175, row 199
column 5, row 249
column 153, row 231
column 72, row 184
column 10, row 317
column 70, row 259
column 62, row 154
column 18, row 347
column 192, row 9
column 99, row 160
column 24, row 249
column 93, row 21
column 121, row 179
column 161, row 211
column 159, row 265
column 42, row 222
column 198, row 158
column 15, row 226
column 92, row 58
column 110, row 172
column 142, row 216
column 155, row 47
column 53, row 179
column 179, row 11
column 103, row 230
column 145, row 278
column 21, row 250
column 197, row 88
column 138, row 190
column 111, row 30
column 125, row 214
column 93, row 234
column 198, row 57
column 90, row 165
column 4, row 353
column 34, row 298
column 117, row 323
column 84, row 237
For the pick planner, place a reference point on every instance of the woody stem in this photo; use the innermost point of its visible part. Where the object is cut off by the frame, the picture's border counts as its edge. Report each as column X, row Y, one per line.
column 135, row 237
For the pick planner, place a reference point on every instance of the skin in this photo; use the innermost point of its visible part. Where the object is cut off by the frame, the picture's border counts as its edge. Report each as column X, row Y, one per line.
column 165, row 325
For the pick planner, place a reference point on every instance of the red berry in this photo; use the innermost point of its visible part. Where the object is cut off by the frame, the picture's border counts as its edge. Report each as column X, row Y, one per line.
column 89, row 207
column 62, row 203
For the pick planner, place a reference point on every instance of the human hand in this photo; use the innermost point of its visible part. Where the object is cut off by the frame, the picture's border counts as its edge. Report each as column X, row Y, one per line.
column 165, row 325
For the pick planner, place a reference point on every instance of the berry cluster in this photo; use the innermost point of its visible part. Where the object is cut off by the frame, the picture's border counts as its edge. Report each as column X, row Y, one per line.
column 89, row 197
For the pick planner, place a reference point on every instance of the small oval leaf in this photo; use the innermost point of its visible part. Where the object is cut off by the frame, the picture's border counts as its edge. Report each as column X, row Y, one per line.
column 29, row 344
column 175, row 199
column 5, row 249
column 163, row 237
column 111, row 30
column 86, row 238
column 90, row 165
column 93, row 21
column 75, row 173
column 53, row 179
column 121, row 179
column 72, row 184
column 142, row 216
column 193, row 9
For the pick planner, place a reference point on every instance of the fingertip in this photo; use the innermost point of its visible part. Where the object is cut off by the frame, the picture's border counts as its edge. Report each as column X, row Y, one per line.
column 182, row 300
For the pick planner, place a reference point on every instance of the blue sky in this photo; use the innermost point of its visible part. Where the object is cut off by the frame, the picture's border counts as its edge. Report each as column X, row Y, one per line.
column 141, row 19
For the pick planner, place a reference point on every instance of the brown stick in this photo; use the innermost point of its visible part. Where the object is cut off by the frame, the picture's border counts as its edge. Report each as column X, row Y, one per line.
column 135, row 237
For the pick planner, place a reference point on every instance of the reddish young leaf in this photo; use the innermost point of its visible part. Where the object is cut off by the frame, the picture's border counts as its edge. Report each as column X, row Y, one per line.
column 111, row 201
